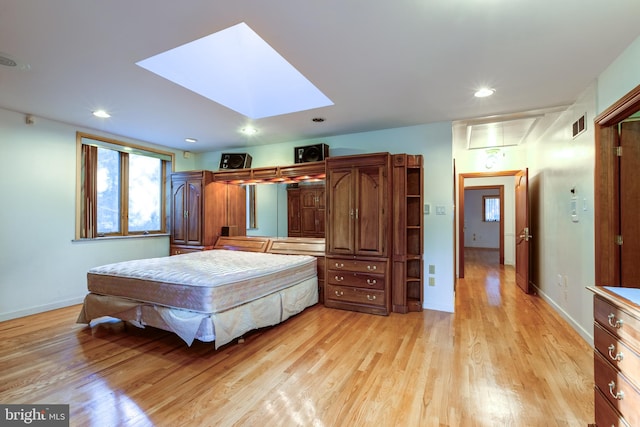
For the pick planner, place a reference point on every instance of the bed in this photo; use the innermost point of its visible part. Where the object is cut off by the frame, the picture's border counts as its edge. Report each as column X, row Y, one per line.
column 210, row 296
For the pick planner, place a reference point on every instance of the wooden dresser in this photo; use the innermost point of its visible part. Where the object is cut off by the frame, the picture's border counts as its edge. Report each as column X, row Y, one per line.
column 359, row 214
column 616, row 337
column 200, row 208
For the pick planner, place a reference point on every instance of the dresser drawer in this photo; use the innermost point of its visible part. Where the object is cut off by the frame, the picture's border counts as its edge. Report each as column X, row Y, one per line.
column 606, row 415
column 355, row 295
column 378, row 267
column 618, row 322
column 618, row 354
column 618, row 391
column 360, row 280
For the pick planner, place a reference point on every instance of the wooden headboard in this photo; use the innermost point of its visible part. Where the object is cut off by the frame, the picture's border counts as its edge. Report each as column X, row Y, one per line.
column 243, row 243
column 297, row 246
column 275, row 245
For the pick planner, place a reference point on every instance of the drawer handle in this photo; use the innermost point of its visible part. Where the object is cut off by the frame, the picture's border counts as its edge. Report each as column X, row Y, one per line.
column 618, row 356
column 617, row 323
column 371, row 297
column 339, row 278
column 372, row 267
column 339, row 293
column 371, row 282
column 339, row 265
column 618, row 395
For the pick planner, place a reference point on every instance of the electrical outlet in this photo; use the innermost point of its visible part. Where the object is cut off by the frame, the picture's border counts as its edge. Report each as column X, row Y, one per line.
column 432, row 269
column 432, row 281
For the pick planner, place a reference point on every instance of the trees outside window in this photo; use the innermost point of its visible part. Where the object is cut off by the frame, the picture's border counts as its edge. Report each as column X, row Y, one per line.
column 122, row 189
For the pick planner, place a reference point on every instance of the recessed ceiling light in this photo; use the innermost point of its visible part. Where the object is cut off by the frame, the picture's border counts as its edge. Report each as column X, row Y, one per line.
column 484, row 92
column 235, row 67
column 191, row 140
column 102, row 114
column 249, row 130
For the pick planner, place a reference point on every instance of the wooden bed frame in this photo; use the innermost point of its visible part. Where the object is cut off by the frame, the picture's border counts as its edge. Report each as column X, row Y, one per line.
column 275, row 245
column 313, row 246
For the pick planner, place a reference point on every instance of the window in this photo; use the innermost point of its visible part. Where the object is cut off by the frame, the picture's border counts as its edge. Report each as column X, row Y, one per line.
column 491, row 208
column 122, row 189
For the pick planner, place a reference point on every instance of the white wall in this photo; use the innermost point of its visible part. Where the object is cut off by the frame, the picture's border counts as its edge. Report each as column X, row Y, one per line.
column 41, row 268
column 563, row 248
column 433, row 141
column 619, row 78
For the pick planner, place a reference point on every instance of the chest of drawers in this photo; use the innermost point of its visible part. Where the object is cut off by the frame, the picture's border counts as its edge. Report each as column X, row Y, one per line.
column 616, row 356
column 358, row 284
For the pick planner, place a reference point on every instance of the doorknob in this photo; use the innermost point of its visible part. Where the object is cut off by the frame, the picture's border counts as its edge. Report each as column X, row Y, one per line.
column 524, row 234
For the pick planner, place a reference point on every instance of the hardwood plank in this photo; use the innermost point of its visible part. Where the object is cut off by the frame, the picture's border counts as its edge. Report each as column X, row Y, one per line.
column 503, row 359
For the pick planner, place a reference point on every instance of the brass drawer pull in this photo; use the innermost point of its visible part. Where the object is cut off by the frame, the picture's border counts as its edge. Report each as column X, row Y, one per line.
column 339, row 265
column 339, row 278
column 372, row 267
column 371, row 282
column 618, row 356
column 371, row 298
column 618, row 395
column 339, row 293
column 617, row 323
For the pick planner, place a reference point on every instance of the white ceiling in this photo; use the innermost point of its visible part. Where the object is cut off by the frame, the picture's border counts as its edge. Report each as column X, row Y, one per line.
column 383, row 63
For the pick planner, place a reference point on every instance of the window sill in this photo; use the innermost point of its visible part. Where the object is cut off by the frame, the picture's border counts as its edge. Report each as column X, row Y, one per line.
column 134, row 236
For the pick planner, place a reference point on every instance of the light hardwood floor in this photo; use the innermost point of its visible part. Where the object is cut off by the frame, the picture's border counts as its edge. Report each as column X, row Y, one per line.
column 503, row 359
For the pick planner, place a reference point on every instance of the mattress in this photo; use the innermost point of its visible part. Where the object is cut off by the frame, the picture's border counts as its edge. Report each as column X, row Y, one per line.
column 204, row 282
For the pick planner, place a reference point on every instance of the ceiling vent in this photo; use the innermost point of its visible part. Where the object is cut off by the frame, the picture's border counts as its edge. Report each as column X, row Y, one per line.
column 579, row 126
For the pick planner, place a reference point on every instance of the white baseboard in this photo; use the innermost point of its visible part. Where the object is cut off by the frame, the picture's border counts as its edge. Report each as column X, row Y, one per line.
column 40, row 309
column 586, row 335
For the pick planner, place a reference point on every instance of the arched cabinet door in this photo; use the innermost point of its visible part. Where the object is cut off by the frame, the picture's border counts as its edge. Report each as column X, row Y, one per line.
column 370, row 211
column 340, row 211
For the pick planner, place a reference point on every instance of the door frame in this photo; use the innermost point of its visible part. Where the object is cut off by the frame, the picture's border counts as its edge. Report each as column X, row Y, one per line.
column 460, row 240
column 606, row 173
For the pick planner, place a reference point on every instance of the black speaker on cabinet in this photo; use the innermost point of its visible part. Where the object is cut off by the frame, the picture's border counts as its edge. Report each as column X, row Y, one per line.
column 311, row 153
column 235, row 161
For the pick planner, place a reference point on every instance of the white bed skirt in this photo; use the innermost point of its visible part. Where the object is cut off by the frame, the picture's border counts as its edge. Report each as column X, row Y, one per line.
column 220, row 327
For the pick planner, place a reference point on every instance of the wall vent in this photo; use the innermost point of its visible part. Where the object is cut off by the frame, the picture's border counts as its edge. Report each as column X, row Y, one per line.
column 579, row 126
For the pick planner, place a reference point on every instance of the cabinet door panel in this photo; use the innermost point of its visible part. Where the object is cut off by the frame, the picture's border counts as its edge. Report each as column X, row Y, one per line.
column 308, row 212
column 371, row 214
column 178, row 213
column 293, row 212
column 308, row 222
column 341, row 212
column 194, row 212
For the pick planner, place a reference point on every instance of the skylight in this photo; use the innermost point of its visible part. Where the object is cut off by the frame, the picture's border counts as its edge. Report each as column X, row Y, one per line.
column 238, row 69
